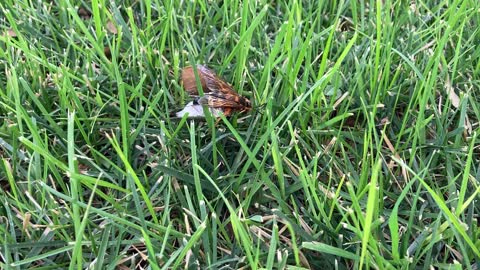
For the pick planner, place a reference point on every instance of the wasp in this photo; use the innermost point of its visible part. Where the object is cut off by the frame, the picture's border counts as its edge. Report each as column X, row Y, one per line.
column 219, row 96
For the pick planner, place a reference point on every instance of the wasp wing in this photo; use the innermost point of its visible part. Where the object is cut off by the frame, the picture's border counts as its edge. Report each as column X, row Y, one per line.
column 222, row 100
column 189, row 80
column 209, row 81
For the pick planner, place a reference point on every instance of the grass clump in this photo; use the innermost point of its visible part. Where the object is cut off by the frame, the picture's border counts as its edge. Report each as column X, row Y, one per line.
column 361, row 150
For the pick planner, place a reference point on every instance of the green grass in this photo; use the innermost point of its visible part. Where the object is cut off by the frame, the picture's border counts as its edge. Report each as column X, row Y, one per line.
column 361, row 150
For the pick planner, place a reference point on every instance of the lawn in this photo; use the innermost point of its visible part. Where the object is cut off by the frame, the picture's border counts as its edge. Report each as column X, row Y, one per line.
column 361, row 149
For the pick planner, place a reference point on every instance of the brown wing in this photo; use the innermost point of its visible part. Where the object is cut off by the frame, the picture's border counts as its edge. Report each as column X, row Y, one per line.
column 214, row 83
column 190, row 83
column 208, row 79
column 222, row 100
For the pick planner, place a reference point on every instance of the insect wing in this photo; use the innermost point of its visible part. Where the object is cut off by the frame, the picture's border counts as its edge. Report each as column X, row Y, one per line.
column 209, row 81
column 214, row 83
column 221, row 100
column 189, row 80
column 221, row 93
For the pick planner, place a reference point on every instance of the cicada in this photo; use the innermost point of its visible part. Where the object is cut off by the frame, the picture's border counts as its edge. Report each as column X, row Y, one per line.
column 219, row 96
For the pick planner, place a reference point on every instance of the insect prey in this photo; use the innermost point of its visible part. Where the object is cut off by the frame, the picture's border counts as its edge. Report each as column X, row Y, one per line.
column 219, row 96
